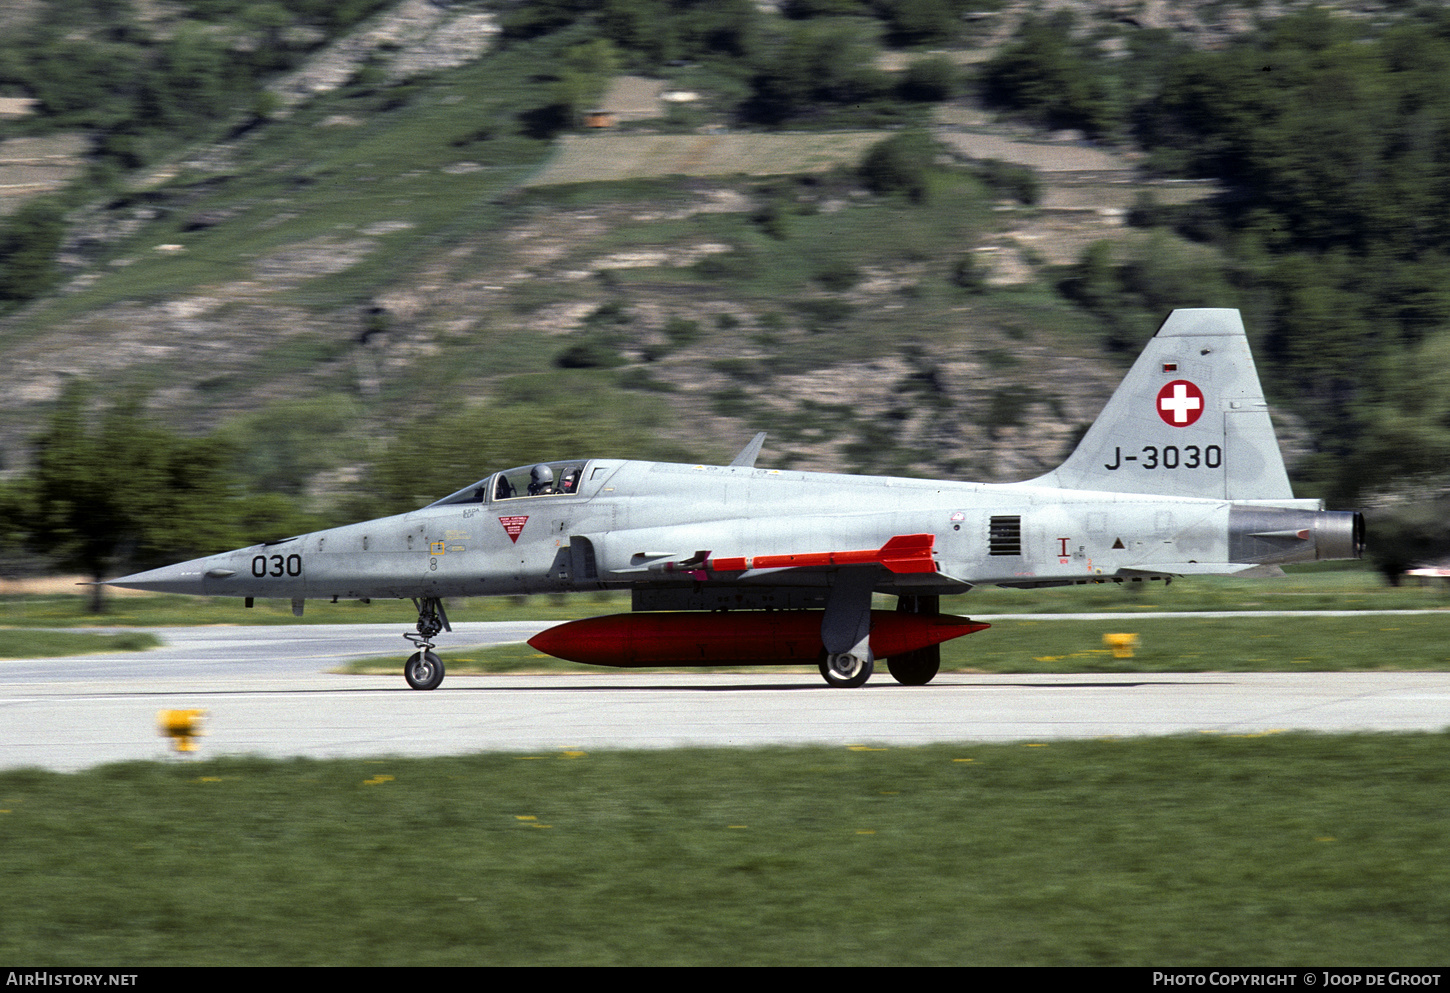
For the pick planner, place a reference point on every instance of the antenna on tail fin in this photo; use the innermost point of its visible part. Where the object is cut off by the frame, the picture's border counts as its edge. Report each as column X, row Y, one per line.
column 1188, row 420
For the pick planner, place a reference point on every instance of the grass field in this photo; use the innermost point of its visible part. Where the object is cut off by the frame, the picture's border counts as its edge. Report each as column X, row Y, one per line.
column 54, row 644
column 610, row 157
column 1283, row 850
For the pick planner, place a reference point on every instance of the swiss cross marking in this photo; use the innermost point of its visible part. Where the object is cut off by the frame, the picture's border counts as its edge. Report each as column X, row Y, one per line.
column 514, row 525
column 1180, row 403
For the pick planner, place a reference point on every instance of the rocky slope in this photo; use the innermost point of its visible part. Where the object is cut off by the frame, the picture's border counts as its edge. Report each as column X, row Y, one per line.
column 984, row 398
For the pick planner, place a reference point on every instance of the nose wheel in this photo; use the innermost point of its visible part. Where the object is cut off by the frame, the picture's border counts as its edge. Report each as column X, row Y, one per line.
column 424, row 670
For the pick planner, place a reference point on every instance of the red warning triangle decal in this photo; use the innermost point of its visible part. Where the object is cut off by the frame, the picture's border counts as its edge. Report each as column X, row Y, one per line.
column 514, row 525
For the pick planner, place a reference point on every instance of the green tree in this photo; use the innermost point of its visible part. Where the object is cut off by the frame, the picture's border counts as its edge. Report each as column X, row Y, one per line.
column 970, row 274
column 815, row 62
column 280, row 448
column 900, row 164
column 117, row 489
column 541, row 17
column 718, row 28
column 1132, row 296
column 1168, row 272
column 929, row 80
column 919, row 22
column 15, row 514
column 192, row 84
column 29, row 240
column 268, row 23
column 1046, row 77
column 1092, row 282
column 1019, row 182
column 81, row 82
column 582, row 79
column 643, row 28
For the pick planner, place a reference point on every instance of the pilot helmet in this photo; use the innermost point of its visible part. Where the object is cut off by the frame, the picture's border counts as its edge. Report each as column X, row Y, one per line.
column 541, row 475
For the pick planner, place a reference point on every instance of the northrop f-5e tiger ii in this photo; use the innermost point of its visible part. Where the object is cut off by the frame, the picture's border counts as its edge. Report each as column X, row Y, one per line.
column 1180, row 475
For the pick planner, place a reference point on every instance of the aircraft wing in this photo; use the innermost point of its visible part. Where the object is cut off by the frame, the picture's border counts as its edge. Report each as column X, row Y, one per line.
column 1202, row 569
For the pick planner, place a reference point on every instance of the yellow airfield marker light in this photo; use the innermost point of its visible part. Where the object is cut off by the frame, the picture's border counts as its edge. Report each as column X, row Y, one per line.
column 182, row 727
column 1122, row 644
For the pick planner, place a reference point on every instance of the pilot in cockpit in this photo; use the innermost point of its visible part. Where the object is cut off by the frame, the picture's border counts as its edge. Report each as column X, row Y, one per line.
column 541, row 480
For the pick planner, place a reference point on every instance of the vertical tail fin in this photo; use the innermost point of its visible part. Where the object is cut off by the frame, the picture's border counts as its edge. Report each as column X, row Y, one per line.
column 1189, row 420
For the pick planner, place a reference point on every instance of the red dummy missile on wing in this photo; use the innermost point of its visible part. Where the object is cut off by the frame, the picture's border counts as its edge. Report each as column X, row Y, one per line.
column 905, row 553
column 734, row 637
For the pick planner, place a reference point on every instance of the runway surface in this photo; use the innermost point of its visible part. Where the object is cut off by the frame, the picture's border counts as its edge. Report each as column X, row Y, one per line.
column 267, row 692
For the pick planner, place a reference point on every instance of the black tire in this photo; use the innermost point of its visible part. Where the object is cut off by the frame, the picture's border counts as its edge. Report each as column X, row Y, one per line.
column 915, row 668
column 423, row 671
column 845, row 670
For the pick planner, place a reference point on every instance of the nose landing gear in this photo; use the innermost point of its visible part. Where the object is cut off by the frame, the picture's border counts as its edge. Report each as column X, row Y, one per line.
column 424, row 670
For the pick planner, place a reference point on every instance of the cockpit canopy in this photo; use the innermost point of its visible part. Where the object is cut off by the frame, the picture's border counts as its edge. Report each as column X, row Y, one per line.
column 537, row 479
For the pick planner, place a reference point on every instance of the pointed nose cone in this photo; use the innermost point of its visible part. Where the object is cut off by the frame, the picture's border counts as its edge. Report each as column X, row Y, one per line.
column 186, row 577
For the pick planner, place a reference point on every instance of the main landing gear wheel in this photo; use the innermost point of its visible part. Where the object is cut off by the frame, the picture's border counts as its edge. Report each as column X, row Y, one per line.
column 845, row 670
column 915, row 668
column 921, row 666
column 423, row 671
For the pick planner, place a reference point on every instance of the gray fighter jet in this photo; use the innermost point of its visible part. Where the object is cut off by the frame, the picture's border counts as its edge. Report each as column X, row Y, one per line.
column 1179, row 476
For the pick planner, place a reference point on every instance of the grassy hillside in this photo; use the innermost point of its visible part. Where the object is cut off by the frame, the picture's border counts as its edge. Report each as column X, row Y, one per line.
column 378, row 290
column 378, row 251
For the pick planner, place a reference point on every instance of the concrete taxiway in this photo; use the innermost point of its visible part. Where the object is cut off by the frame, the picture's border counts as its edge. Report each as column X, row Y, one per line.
column 267, row 692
